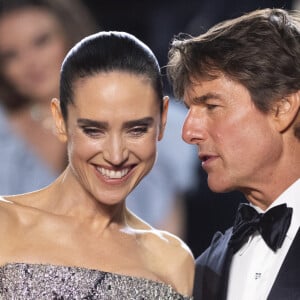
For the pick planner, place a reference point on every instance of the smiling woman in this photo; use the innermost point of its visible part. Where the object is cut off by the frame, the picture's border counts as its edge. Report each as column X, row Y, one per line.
column 109, row 141
column 78, row 232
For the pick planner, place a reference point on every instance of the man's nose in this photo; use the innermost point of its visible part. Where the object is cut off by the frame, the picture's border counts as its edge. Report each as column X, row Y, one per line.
column 193, row 130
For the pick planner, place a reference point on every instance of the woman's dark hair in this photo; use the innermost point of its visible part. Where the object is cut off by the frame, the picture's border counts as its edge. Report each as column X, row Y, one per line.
column 75, row 20
column 108, row 51
column 260, row 50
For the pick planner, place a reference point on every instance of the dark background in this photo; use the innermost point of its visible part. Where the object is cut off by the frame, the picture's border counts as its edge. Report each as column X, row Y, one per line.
column 157, row 21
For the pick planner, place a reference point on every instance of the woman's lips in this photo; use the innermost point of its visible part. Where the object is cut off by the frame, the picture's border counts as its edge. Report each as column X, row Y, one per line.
column 114, row 176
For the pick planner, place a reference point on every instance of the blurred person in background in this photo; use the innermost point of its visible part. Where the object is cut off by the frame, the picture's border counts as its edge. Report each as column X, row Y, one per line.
column 35, row 35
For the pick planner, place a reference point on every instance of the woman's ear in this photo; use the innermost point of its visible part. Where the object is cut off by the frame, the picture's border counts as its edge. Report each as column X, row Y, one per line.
column 286, row 111
column 58, row 120
column 163, row 117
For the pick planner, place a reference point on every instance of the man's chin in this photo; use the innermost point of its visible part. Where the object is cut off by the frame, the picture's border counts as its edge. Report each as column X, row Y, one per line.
column 218, row 186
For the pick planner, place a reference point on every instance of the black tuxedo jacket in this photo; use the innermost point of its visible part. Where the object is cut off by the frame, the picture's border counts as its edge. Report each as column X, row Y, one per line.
column 212, row 270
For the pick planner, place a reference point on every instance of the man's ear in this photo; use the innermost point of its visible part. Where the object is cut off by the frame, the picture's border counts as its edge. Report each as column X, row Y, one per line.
column 286, row 110
column 59, row 120
column 163, row 117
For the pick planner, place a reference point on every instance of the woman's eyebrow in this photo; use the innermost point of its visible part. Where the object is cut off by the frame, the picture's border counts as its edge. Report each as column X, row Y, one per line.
column 148, row 121
column 92, row 123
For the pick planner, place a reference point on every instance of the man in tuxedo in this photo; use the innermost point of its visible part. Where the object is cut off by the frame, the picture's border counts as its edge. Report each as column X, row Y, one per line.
column 241, row 84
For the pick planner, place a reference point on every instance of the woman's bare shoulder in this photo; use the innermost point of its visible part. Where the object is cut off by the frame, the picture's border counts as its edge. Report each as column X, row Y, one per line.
column 12, row 206
column 7, row 210
column 171, row 247
column 169, row 256
column 9, row 224
column 174, row 258
column 15, row 213
column 159, row 238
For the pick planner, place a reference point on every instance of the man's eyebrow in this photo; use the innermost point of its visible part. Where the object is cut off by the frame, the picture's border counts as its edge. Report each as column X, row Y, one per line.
column 206, row 97
column 203, row 98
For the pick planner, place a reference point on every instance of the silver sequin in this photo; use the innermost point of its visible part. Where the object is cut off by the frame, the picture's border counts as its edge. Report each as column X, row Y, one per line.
column 20, row 281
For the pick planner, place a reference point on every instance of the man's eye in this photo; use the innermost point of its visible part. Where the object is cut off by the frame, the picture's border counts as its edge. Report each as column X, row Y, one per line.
column 211, row 106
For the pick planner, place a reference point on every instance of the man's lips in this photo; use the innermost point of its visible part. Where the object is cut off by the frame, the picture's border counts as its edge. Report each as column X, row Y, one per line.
column 204, row 157
column 207, row 158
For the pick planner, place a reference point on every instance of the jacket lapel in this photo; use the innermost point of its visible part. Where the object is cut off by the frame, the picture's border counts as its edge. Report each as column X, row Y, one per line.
column 212, row 269
column 287, row 283
column 214, row 266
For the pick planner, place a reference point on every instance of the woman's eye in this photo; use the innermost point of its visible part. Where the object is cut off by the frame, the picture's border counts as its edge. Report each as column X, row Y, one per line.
column 42, row 39
column 9, row 57
column 92, row 132
column 138, row 131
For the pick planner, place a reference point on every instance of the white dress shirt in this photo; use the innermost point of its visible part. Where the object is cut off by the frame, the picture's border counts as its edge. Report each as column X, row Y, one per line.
column 255, row 266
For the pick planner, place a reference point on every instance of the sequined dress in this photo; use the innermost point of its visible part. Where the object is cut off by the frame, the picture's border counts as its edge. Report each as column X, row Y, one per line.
column 20, row 281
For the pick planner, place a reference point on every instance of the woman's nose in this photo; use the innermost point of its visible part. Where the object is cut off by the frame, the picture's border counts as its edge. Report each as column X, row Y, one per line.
column 116, row 151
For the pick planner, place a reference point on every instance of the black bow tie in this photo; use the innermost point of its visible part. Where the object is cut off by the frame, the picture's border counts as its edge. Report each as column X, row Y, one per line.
column 272, row 225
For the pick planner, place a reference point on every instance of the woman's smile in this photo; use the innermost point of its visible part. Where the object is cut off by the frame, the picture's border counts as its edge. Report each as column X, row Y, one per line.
column 112, row 149
column 113, row 174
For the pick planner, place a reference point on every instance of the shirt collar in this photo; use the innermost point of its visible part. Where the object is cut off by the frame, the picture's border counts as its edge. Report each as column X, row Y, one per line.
column 291, row 196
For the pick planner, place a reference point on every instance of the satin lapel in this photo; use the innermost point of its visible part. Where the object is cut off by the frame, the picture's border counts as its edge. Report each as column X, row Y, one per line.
column 225, row 274
column 213, row 269
column 287, row 283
